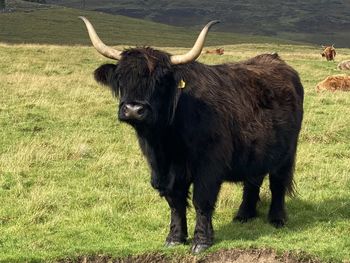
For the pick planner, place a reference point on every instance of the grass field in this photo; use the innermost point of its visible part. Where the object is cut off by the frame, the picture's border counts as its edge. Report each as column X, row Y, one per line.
column 73, row 181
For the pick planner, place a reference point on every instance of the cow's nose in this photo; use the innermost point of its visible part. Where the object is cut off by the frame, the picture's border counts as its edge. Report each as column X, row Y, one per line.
column 133, row 111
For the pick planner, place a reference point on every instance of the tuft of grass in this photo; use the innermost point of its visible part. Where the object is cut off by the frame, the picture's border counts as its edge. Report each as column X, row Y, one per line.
column 74, row 183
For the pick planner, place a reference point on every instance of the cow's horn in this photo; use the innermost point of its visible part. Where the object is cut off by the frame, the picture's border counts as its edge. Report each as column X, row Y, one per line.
column 98, row 44
column 194, row 53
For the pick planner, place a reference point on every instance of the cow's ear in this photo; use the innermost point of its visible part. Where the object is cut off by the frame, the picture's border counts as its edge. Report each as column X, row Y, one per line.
column 105, row 74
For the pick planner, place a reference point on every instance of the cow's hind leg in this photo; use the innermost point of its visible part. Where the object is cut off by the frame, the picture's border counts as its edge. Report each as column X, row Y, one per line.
column 247, row 209
column 281, row 181
column 204, row 199
column 177, row 201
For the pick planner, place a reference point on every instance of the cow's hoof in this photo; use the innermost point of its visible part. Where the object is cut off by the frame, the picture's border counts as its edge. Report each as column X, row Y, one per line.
column 198, row 248
column 277, row 223
column 277, row 219
column 244, row 218
column 173, row 243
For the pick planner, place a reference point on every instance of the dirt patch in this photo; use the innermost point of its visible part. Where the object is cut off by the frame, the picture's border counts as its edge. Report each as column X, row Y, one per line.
column 221, row 256
column 254, row 256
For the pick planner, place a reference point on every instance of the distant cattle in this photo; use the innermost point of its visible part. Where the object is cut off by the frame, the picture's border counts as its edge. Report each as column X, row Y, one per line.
column 218, row 51
column 344, row 65
column 334, row 83
column 205, row 124
column 328, row 52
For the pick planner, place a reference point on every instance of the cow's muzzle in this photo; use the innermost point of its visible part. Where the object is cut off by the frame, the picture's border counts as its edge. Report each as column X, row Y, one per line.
column 132, row 111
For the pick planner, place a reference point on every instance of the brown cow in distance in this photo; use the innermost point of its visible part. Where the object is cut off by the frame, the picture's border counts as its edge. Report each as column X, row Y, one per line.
column 218, row 51
column 344, row 65
column 334, row 83
column 328, row 52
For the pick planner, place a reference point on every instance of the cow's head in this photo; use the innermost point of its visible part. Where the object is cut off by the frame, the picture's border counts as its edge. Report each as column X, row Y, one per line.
column 143, row 79
column 328, row 52
column 144, row 83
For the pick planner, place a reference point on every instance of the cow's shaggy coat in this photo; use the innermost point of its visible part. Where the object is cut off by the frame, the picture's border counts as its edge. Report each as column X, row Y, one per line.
column 204, row 125
column 334, row 83
column 329, row 53
column 344, row 65
column 218, row 51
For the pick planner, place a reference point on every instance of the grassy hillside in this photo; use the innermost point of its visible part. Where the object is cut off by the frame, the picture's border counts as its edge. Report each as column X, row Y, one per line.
column 313, row 21
column 73, row 181
column 53, row 25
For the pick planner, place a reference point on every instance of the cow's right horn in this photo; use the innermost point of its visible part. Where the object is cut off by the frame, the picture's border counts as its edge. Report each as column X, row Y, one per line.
column 98, row 44
column 196, row 50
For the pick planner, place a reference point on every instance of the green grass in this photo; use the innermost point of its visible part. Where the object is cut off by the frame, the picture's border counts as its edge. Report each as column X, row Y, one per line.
column 57, row 25
column 73, row 181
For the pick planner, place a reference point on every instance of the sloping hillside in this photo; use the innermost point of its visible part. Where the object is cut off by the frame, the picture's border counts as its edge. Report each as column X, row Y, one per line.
column 59, row 25
column 315, row 21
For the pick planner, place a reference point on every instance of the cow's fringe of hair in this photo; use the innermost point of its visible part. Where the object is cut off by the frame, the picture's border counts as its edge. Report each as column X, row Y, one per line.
column 291, row 186
column 291, row 189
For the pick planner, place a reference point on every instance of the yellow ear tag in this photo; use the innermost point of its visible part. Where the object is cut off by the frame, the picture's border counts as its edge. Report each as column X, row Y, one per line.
column 182, row 84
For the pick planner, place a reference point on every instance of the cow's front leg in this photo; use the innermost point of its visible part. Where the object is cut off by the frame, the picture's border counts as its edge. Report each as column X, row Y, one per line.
column 178, row 223
column 204, row 199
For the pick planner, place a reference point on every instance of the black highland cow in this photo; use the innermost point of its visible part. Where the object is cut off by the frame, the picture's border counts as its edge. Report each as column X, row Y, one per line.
column 203, row 125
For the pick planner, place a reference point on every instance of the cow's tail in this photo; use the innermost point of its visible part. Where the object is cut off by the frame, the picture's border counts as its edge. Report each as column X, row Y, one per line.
column 289, row 165
column 290, row 183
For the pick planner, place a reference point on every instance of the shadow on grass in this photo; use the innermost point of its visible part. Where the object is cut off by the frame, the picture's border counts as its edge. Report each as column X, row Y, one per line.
column 301, row 215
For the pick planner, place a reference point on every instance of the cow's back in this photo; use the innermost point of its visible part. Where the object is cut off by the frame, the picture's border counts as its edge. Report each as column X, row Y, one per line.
column 261, row 108
column 267, row 87
column 269, row 130
column 247, row 114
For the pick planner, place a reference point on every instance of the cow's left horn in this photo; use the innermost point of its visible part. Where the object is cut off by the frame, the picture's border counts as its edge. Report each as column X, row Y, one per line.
column 98, row 44
column 194, row 53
